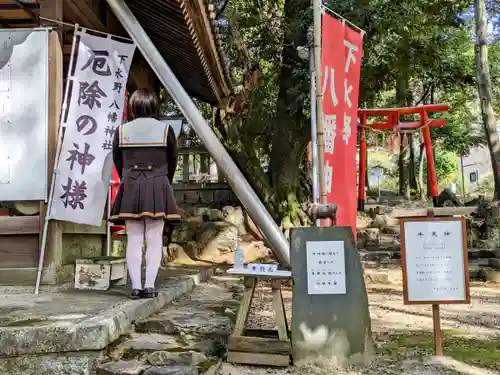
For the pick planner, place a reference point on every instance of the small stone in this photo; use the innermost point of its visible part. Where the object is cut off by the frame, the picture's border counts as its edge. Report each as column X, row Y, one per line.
column 229, row 313
column 377, row 278
column 492, row 276
column 133, row 367
column 160, row 358
column 215, row 215
column 172, row 370
column 163, row 358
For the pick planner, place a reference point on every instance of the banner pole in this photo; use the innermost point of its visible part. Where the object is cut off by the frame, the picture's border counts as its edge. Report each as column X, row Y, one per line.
column 108, row 223
column 317, row 8
column 314, row 140
column 54, row 173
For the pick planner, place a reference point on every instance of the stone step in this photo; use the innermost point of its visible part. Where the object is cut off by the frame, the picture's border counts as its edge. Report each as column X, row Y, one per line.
column 187, row 337
column 186, row 320
column 142, row 368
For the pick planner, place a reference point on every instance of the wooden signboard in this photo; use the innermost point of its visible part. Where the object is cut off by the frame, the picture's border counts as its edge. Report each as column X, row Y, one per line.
column 434, row 260
column 435, row 264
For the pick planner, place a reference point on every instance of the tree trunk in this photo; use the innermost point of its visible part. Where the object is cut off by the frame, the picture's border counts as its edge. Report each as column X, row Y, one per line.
column 411, row 166
column 404, row 186
column 402, row 98
column 421, row 163
column 484, row 89
column 289, row 145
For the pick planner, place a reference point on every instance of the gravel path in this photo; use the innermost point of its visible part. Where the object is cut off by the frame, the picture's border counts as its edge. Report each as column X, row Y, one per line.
column 480, row 319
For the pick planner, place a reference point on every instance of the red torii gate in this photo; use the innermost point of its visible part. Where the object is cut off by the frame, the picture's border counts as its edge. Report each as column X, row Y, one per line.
column 392, row 120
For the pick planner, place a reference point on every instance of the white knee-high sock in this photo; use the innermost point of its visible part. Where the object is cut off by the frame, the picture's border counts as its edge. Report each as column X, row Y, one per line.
column 154, row 250
column 135, row 241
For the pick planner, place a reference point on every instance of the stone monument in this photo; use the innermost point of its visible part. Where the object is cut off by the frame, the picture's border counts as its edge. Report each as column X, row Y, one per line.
column 331, row 320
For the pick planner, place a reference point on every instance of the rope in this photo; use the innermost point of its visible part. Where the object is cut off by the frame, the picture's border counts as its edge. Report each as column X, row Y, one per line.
column 397, row 128
column 395, row 131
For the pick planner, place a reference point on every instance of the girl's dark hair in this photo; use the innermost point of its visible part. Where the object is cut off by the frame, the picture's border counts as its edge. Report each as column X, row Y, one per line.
column 143, row 103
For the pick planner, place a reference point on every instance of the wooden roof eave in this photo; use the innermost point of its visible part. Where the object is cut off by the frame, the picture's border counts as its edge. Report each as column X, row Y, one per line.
column 204, row 33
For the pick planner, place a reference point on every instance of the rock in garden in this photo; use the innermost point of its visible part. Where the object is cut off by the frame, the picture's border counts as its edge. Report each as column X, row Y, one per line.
column 133, row 367
column 186, row 320
column 172, row 370
column 218, row 237
column 163, row 358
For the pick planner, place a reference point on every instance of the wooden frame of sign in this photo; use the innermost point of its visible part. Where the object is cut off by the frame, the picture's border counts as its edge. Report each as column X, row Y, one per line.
column 462, row 294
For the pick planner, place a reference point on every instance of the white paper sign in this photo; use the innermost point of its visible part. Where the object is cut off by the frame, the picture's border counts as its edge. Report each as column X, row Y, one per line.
column 95, row 110
column 325, row 267
column 434, row 261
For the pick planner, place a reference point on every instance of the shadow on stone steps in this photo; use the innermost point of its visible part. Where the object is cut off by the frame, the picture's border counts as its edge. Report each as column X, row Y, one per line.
column 187, row 337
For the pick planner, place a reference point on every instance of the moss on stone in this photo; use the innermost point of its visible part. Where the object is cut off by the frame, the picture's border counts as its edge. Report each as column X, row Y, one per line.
column 27, row 323
column 470, row 350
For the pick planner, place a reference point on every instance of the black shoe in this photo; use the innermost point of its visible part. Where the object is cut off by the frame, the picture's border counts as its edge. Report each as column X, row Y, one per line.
column 135, row 294
column 149, row 293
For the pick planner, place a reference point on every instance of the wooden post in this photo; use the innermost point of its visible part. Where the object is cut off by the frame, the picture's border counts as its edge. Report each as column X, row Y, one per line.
column 204, row 164
column 436, row 318
column 54, row 255
column 185, row 168
column 436, row 322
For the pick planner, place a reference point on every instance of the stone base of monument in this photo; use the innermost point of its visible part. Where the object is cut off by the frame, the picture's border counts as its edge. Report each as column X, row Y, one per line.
column 330, row 315
column 257, row 346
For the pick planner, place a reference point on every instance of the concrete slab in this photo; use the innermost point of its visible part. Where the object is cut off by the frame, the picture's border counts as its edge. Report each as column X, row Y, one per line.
column 76, row 321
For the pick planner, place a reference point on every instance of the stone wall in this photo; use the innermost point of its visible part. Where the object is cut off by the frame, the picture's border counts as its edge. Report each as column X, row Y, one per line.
column 204, row 233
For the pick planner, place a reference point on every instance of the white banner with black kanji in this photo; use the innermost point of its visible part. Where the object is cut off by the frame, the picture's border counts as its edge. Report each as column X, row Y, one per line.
column 94, row 110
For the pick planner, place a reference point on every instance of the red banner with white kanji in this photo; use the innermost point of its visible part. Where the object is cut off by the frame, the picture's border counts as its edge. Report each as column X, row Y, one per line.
column 340, row 72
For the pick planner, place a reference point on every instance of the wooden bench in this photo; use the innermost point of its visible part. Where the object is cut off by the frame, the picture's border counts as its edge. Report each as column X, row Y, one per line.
column 258, row 346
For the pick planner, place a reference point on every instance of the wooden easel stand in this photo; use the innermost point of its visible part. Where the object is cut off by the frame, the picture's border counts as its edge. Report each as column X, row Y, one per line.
column 258, row 346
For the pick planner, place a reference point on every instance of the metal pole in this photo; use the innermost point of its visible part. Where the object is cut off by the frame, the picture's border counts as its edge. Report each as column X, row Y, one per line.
column 314, row 128
column 108, row 224
column 236, row 180
column 314, row 141
column 317, row 8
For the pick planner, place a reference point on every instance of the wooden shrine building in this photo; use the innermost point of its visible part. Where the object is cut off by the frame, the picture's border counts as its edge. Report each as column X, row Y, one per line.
column 186, row 35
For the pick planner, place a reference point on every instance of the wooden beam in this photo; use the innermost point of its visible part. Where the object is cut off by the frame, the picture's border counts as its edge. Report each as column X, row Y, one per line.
column 438, row 211
column 53, row 9
column 27, row 9
column 14, row 4
column 17, row 13
column 84, row 14
column 14, row 225
column 15, row 21
column 72, row 228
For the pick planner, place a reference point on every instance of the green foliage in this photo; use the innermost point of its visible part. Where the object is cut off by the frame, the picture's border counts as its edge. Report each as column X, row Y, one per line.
column 424, row 46
column 446, row 168
column 477, row 352
column 486, row 185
